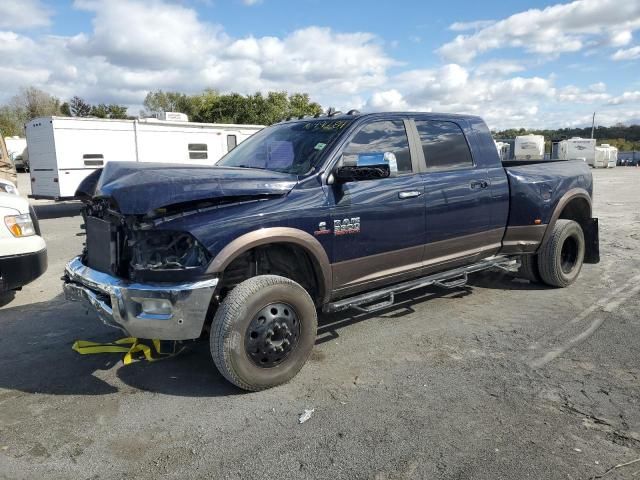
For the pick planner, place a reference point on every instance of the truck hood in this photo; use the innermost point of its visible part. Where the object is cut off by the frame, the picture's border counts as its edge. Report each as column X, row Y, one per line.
column 15, row 202
column 139, row 188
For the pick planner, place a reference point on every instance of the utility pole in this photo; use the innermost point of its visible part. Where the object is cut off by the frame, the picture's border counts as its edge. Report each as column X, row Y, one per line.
column 593, row 123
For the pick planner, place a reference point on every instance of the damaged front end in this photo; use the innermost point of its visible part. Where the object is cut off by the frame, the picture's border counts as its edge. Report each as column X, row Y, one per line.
column 135, row 271
column 149, row 283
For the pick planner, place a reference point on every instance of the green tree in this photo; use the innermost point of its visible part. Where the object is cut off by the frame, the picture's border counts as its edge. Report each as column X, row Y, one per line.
column 79, row 108
column 117, row 111
column 65, row 109
column 160, row 101
column 31, row 102
column 300, row 104
column 101, row 110
column 11, row 123
column 212, row 107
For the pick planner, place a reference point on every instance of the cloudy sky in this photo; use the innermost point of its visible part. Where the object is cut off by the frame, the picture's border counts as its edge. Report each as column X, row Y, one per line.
column 517, row 63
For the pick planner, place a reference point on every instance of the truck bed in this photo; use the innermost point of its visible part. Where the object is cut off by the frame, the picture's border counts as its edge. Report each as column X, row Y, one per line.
column 536, row 187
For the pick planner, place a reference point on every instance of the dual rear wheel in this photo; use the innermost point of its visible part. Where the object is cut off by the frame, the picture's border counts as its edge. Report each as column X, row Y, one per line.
column 559, row 261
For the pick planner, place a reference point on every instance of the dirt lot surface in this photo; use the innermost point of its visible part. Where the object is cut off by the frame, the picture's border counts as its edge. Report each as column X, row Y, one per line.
column 503, row 379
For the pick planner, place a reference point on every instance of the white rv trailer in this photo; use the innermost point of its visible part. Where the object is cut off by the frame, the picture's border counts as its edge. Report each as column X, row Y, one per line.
column 503, row 150
column 529, row 147
column 601, row 156
column 577, row 147
column 64, row 150
column 613, row 157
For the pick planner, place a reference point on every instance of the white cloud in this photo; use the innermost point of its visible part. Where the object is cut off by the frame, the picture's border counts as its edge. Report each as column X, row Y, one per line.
column 571, row 93
column 475, row 25
column 24, row 14
column 553, row 30
column 626, row 97
column 145, row 34
column 387, row 100
column 250, row 3
column 136, row 46
column 621, row 38
column 499, row 68
column 627, row 54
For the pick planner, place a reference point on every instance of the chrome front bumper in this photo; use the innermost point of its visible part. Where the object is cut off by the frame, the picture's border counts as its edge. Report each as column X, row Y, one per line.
column 164, row 311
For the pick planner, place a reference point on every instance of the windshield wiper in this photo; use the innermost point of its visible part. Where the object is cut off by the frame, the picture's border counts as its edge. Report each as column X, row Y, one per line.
column 248, row 166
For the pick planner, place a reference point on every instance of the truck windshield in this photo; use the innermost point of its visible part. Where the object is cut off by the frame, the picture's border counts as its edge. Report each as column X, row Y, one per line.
column 293, row 148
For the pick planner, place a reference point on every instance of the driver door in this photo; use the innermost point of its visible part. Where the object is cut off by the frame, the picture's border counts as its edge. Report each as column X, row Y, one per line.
column 378, row 225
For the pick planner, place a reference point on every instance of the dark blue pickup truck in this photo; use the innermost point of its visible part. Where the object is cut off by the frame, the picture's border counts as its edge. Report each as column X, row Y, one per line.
column 336, row 212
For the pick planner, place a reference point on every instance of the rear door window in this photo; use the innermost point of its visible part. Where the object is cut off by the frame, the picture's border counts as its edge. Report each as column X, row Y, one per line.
column 444, row 145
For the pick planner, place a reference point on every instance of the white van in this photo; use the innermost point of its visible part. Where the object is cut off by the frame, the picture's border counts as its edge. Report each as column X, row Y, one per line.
column 63, row 151
column 23, row 252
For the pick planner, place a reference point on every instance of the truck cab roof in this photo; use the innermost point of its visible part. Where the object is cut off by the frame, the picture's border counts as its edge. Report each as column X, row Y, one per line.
column 358, row 115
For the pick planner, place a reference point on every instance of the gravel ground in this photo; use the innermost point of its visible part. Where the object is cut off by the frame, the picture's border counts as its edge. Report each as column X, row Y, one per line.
column 503, row 379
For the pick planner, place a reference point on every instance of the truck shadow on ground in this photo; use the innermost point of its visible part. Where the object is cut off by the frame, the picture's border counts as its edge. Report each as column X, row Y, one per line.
column 6, row 298
column 329, row 324
column 48, row 211
column 36, row 354
column 36, row 357
column 499, row 280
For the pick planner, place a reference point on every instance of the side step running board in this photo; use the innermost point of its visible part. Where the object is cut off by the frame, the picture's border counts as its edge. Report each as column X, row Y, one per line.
column 449, row 279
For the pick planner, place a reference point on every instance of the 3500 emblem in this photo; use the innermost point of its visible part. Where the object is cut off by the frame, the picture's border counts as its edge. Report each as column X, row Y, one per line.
column 346, row 226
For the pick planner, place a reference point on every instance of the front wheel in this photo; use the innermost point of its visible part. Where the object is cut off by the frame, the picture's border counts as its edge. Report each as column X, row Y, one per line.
column 263, row 332
column 560, row 258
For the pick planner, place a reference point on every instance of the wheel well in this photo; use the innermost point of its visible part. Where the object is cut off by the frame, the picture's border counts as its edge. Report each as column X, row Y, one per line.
column 577, row 210
column 285, row 259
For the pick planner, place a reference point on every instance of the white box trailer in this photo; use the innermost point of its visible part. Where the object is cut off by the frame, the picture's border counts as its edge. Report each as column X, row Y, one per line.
column 64, row 150
column 529, row 147
column 577, row 147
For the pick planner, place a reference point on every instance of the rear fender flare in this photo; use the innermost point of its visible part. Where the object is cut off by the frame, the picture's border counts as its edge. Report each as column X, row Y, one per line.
column 568, row 197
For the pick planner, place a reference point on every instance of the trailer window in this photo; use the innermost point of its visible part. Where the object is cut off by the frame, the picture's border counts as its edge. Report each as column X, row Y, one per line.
column 93, row 159
column 444, row 145
column 232, row 141
column 198, row 151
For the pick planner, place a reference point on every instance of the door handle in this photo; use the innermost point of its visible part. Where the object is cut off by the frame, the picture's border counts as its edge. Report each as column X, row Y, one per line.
column 479, row 184
column 411, row 194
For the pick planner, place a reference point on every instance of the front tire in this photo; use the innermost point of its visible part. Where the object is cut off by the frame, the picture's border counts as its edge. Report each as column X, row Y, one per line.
column 560, row 258
column 263, row 332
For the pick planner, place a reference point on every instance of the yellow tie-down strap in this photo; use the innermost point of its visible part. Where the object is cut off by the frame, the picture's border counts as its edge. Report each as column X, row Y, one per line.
column 130, row 346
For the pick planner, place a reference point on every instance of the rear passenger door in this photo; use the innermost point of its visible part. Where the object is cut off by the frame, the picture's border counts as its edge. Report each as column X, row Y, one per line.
column 457, row 196
column 378, row 224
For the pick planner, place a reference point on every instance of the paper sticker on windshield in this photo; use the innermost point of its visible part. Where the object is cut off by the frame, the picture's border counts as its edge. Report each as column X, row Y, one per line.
column 320, row 146
column 326, row 125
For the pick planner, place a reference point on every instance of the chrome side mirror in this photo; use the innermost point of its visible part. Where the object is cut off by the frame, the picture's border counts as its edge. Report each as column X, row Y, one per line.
column 366, row 166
